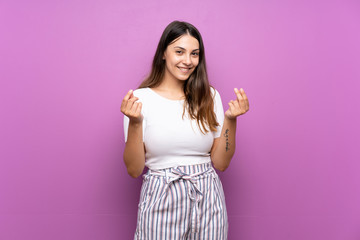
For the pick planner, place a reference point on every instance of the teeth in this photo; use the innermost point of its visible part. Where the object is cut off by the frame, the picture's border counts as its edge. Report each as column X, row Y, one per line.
column 184, row 69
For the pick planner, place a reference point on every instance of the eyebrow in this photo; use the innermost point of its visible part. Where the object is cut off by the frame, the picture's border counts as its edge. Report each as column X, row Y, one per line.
column 184, row 48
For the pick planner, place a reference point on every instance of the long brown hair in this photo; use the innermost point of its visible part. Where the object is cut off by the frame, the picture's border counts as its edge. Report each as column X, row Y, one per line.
column 198, row 99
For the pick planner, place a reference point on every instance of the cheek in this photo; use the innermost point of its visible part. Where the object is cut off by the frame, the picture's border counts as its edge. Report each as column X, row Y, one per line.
column 196, row 62
column 173, row 60
column 171, row 65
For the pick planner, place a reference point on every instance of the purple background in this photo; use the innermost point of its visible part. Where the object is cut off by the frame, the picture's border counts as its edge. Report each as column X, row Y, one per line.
column 66, row 65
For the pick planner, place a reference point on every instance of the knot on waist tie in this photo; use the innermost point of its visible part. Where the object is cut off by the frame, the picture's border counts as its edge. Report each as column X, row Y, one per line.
column 194, row 192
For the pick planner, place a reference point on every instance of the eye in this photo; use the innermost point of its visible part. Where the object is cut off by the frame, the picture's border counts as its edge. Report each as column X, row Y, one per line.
column 197, row 54
column 178, row 51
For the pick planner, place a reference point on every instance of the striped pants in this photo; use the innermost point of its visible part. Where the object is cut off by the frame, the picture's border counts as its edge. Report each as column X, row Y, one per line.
column 185, row 202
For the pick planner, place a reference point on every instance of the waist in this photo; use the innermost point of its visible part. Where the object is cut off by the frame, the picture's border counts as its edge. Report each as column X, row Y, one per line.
column 185, row 172
column 164, row 162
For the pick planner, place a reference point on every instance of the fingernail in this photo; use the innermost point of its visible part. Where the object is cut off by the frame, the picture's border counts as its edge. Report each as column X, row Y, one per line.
column 241, row 89
column 235, row 89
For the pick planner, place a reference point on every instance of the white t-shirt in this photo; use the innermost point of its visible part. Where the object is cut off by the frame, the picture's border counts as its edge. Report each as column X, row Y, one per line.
column 171, row 141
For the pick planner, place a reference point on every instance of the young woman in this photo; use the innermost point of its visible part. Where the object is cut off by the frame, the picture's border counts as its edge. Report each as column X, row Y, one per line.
column 175, row 125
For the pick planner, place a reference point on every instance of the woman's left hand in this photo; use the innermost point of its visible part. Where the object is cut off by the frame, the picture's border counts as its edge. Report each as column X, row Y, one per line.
column 239, row 106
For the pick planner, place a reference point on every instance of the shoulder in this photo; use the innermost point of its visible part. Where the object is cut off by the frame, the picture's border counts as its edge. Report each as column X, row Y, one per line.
column 214, row 92
column 141, row 92
column 216, row 98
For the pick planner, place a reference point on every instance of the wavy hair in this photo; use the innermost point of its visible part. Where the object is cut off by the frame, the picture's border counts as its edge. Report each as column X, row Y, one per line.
column 198, row 99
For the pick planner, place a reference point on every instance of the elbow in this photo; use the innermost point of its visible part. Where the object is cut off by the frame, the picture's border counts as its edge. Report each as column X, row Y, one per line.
column 134, row 170
column 221, row 168
column 134, row 166
column 134, row 173
column 221, row 164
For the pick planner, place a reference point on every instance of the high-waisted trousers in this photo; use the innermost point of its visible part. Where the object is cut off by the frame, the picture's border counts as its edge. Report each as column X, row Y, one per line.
column 185, row 202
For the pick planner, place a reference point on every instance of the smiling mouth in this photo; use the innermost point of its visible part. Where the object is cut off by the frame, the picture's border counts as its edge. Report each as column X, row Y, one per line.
column 184, row 70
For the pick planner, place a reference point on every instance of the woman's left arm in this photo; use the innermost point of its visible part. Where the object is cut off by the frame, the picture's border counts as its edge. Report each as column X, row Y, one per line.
column 223, row 147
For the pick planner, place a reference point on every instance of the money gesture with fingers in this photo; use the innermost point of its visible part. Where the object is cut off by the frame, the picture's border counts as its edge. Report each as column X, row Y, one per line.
column 239, row 106
column 131, row 108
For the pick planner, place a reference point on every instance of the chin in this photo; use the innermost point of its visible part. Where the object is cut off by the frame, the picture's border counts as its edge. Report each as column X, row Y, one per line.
column 183, row 78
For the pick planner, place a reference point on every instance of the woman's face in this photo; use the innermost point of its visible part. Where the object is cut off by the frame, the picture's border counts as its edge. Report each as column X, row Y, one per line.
column 181, row 57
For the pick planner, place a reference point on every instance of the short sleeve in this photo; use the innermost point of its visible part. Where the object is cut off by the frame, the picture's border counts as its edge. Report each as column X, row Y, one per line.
column 219, row 112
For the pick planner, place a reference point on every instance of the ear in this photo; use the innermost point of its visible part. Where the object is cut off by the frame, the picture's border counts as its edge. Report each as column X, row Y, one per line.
column 163, row 57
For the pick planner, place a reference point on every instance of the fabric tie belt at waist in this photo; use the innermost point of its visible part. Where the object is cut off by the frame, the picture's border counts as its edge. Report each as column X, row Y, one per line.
column 194, row 192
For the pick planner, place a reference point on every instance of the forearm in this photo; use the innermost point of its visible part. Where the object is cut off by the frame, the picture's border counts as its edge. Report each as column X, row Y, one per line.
column 134, row 152
column 224, row 151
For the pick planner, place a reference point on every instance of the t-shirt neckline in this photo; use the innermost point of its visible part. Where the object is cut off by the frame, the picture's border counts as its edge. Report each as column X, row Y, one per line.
column 168, row 99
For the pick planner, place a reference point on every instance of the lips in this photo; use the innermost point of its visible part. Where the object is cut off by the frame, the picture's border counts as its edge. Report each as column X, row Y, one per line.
column 184, row 70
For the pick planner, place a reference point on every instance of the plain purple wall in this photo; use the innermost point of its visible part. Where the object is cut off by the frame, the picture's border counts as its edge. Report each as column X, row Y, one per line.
column 66, row 65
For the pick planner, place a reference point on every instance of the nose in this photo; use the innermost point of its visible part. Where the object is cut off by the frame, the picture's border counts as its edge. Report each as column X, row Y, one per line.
column 187, row 60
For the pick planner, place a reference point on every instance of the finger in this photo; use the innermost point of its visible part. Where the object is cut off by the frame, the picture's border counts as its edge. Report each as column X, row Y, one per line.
column 128, row 95
column 133, row 109
column 133, row 99
column 244, row 94
column 242, row 100
column 238, row 94
column 132, row 95
column 231, row 108
column 130, row 103
column 246, row 105
column 125, row 100
column 231, row 105
column 237, row 104
column 138, row 109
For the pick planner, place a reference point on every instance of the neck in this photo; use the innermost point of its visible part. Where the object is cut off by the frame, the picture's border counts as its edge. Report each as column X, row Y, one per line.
column 172, row 85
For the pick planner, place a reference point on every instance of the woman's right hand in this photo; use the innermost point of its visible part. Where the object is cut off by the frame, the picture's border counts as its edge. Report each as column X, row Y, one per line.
column 131, row 108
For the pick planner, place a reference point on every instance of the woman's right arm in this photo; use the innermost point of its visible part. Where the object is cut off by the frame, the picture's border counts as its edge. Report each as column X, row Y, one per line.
column 134, row 153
